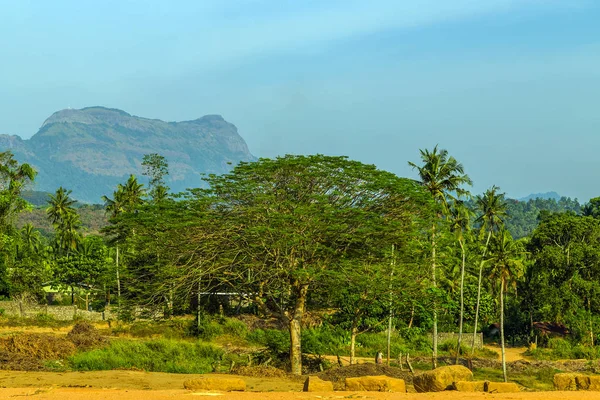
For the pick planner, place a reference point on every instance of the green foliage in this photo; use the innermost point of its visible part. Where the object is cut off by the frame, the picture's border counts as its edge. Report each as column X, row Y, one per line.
column 524, row 216
column 150, row 355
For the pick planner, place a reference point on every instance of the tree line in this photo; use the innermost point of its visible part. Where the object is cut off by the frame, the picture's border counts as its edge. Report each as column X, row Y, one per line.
column 299, row 234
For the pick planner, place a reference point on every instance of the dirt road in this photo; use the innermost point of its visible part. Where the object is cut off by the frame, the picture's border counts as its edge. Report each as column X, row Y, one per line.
column 512, row 353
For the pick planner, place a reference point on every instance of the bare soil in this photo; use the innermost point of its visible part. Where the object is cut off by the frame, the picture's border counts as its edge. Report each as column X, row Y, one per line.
column 135, row 394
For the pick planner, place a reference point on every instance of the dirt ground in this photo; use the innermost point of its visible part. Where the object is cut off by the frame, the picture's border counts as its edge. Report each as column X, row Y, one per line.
column 129, row 385
column 110, row 394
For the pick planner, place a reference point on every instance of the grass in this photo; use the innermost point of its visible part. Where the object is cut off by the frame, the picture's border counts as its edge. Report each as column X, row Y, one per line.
column 534, row 379
column 563, row 349
column 161, row 355
column 39, row 320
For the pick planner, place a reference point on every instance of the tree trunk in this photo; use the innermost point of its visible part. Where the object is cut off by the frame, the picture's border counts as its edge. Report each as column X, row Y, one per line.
column 502, row 331
column 487, row 242
column 462, row 300
column 591, row 325
column 412, row 317
column 199, row 307
column 433, row 281
column 118, row 278
column 391, row 314
column 353, row 334
column 295, row 327
column 295, row 346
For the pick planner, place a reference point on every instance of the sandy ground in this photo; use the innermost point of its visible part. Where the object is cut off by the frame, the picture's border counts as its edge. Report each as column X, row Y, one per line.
column 109, row 394
column 129, row 385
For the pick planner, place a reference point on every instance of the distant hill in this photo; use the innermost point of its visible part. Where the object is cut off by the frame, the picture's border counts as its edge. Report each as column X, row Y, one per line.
column 544, row 196
column 93, row 149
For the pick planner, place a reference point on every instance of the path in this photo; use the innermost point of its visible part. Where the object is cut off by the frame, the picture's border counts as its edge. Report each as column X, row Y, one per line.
column 512, row 353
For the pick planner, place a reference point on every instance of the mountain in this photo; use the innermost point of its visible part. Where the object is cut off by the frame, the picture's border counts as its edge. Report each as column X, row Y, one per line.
column 545, row 196
column 93, row 149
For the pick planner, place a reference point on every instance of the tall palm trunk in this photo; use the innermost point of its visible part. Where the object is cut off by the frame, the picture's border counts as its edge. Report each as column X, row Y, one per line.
column 118, row 278
column 433, row 281
column 462, row 300
column 487, row 242
column 502, row 331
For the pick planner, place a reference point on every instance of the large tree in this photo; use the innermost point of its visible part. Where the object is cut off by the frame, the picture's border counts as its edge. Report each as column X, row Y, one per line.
column 443, row 177
column 295, row 217
column 13, row 179
column 563, row 281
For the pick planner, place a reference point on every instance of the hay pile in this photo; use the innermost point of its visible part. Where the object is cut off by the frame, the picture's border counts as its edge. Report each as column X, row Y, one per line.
column 32, row 351
column 85, row 336
column 29, row 351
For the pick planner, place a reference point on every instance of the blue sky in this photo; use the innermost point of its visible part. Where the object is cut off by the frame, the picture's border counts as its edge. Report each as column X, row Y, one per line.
column 510, row 87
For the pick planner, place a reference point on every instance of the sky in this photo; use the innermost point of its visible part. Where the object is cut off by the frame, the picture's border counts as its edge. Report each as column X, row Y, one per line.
column 511, row 88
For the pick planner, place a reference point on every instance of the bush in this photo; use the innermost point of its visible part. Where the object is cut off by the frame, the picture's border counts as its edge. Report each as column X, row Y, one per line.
column 561, row 348
column 580, row 351
column 235, row 327
column 44, row 319
column 151, row 355
column 209, row 329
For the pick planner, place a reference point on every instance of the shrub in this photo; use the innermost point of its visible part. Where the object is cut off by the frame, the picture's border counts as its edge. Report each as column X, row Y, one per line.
column 561, row 348
column 44, row 319
column 235, row 328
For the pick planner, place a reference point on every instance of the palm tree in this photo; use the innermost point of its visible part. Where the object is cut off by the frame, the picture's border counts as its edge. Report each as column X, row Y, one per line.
column 64, row 218
column 125, row 199
column 506, row 267
column 59, row 205
column 30, row 238
column 492, row 207
column 443, row 177
column 460, row 223
column 133, row 193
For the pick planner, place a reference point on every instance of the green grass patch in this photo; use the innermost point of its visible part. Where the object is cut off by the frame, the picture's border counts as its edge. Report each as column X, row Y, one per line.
column 159, row 355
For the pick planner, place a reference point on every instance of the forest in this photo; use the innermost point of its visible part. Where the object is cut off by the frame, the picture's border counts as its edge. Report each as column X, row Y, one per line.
column 296, row 239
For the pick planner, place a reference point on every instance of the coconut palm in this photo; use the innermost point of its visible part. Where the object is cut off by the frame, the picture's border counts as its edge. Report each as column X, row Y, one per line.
column 460, row 224
column 133, row 193
column 64, row 218
column 60, row 205
column 30, row 237
column 506, row 262
column 443, row 177
column 492, row 206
